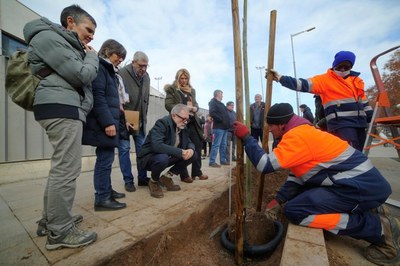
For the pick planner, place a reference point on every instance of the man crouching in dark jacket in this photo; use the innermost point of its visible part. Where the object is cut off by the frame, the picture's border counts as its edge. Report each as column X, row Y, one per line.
column 167, row 144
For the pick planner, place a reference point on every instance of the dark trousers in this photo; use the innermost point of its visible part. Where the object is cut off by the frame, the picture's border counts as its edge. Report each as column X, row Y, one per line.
column 160, row 161
column 316, row 202
column 198, row 144
column 354, row 136
column 257, row 133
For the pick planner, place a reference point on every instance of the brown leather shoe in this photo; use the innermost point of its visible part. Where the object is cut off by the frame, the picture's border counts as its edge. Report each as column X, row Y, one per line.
column 155, row 189
column 187, row 180
column 169, row 183
column 203, row 177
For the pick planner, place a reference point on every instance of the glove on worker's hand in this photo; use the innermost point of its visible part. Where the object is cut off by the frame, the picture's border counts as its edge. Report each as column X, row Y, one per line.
column 275, row 75
column 240, row 130
column 273, row 209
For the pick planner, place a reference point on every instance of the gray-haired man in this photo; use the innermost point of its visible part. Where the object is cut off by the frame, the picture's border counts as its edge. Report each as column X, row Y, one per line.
column 137, row 85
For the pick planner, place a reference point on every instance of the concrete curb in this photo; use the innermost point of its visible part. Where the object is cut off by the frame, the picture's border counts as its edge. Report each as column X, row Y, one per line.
column 304, row 246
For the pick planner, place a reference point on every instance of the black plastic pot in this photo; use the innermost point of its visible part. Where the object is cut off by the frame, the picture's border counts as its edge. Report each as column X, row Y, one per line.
column 257, row 250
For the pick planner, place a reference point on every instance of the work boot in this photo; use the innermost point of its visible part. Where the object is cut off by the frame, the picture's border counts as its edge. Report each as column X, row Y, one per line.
column 155, row 189
column 382, row 210
column 387, row 252
column 169, row 183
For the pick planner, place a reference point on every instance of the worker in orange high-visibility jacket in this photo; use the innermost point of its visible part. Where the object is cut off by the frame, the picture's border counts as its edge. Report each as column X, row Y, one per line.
column 346, row 107
column 331, row 185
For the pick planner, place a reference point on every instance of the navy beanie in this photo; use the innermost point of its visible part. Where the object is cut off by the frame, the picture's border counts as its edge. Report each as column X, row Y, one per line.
column 344, row 56
column 279, row 113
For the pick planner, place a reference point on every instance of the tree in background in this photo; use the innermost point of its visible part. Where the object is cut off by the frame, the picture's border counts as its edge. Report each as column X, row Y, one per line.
column 391, row 81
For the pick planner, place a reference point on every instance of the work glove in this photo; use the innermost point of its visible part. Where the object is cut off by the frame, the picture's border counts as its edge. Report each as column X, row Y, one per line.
column 273, row 209
column 240, row 130
column 275, row 75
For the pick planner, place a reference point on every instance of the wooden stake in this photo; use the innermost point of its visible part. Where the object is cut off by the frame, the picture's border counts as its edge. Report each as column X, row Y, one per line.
column 271, row 54
column 239, row 117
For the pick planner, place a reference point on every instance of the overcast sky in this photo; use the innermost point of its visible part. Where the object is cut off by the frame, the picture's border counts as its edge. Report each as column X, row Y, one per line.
column 198, row 35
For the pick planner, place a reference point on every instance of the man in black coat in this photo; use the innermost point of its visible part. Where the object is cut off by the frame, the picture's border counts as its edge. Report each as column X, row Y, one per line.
column 307, row 114
column 257, row 117
column 167, row 144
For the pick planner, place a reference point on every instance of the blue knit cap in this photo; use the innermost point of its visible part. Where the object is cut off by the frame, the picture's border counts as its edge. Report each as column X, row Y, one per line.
column 344, row 56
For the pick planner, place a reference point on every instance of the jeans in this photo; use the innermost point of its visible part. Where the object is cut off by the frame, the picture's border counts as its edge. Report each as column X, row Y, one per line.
column 125, row 160
column 102, row 173
column 219, row 144
column 159, row 162
column 65, row 136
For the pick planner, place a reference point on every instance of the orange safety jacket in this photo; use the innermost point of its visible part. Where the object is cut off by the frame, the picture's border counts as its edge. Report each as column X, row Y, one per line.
column 344, row 100
column 318, row 159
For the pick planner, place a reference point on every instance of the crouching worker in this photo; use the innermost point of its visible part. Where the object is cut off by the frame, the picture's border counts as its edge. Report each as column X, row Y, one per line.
column 332, row 186
column 168, row 144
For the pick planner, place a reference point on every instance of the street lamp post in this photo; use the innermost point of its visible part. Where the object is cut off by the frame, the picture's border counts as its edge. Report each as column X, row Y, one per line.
column 158, row 82
column 261, row 69
column 294, row 65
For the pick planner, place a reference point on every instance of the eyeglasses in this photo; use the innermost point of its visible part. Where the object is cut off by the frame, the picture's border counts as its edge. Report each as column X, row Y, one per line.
column 185, row 120
column 143, row 66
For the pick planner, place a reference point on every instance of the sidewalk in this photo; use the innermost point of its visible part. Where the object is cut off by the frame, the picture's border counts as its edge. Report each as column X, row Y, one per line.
column 21, row 205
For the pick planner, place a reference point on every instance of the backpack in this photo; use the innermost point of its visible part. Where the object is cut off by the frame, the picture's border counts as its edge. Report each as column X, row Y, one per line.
column 21, row 83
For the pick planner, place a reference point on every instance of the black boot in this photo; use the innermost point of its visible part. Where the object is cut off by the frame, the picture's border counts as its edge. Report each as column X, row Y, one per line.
column 109, row 205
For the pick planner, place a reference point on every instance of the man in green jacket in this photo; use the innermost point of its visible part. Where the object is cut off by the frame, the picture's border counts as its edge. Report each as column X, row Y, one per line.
column 62, row 101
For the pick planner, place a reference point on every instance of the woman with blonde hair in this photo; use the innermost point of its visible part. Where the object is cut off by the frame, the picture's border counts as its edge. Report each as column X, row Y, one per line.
column 181, row 91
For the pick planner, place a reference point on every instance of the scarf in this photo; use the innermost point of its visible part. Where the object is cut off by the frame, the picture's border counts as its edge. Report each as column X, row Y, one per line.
column 123, row 96
column 187, row 93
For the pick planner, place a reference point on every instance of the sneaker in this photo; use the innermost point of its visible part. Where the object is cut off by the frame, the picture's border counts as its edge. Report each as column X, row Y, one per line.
column 74, row 238
column 42, row 224
column 130, row 187
column 225, row 163
column 215, row 165
column 169, row 183
column 387, row 252
column 155, row 189
column 144, row 182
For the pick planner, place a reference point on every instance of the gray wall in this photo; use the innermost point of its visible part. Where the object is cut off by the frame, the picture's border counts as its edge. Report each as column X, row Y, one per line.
column 21, row 137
